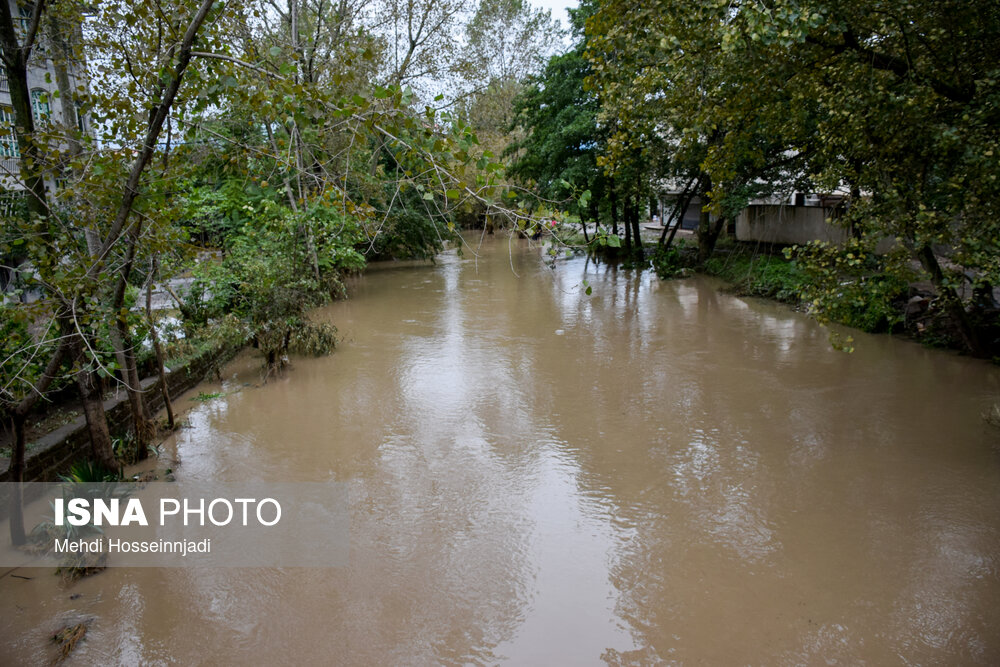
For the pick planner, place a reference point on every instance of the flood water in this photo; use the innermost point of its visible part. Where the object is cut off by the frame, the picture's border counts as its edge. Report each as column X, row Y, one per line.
column 654, row 473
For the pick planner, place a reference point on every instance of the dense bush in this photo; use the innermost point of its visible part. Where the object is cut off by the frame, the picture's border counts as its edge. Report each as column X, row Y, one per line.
column 837, row 284
column 277, row 266
column 409, row 231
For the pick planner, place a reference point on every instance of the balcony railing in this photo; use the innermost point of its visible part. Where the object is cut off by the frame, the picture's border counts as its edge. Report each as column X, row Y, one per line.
column 10, row 167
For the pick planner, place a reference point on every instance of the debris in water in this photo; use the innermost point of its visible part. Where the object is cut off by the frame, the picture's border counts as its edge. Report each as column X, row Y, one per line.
column 68, row 637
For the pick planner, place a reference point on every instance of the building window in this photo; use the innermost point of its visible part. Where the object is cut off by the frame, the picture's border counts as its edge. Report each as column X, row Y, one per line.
column 23, row 20
column 8, row 143
column 40, row 106
column 80, row 120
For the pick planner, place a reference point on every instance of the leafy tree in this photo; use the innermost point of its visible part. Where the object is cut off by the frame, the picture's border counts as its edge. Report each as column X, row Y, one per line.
column 262, row 132
column 76, row 272
column 893, row 103
column 900, row 106
column 561, row 139
column 667, row 91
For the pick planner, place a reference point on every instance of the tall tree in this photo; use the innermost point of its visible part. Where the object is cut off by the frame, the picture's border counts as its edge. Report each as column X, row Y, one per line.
column 557, row 137
column 75, row 280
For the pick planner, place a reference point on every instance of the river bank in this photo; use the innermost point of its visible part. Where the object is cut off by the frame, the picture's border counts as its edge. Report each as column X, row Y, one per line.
column 52, row 452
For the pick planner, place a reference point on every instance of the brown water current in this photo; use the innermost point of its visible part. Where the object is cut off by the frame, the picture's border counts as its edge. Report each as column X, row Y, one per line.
column 657, row 472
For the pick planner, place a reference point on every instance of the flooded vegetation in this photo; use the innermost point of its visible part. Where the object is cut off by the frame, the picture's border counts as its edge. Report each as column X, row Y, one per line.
column 655, row 472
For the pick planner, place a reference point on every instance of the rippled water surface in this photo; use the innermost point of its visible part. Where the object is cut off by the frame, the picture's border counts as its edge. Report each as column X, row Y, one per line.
column 657, row 472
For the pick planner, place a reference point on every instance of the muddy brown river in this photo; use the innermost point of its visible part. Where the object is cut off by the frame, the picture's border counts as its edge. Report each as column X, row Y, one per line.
column 654, row 473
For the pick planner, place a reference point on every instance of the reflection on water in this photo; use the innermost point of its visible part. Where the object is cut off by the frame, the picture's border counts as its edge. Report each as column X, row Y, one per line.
column 655, row 472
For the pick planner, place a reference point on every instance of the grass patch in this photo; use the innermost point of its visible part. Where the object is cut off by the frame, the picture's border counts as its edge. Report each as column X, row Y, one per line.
column 762, row 275
column 204, row 397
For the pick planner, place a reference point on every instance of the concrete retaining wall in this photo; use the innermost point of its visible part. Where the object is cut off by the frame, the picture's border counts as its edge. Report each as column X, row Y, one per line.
column 789, row 224
column 55, row 452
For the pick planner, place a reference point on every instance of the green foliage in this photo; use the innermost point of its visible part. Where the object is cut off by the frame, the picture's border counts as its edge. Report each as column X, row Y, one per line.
column 204, row 397
column 214, row 211
column 759, row 275
column 127, row 449
column 15, row 351
column 894, row 103
column 285, row 151
column 605, row 239
column 90, row 472
column 410, row 230
column 852, row 285
column 313, row 338
column 562, row 139
column 667, row 262
column 23, row 355
column 267, row 281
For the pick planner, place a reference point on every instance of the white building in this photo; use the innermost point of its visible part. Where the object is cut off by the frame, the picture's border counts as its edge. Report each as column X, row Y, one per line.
column 44, row 74
column 55, row 80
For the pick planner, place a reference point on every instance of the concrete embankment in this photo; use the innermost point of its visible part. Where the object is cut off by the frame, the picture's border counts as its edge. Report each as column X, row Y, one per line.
column 53, row 453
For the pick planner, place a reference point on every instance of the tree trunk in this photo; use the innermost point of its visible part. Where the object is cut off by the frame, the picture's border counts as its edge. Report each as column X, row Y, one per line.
column 141, row 426
column 708, row 232
column 120, row 338
column 952, row 304
column 160, row 368
column 19, row 415
column 677, row 212
column 614, row 209
column 626, row 212
column 63, row 56
column 707, row 241
column 636, row 232
column 15, row 60
column 16, row 514
column 93, row 409
column 595, row 215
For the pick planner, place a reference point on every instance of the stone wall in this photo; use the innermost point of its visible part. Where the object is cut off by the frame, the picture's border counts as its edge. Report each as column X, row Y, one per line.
column 55, row 452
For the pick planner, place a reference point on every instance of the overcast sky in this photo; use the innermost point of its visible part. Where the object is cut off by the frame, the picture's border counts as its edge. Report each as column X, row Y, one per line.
column 558, row 8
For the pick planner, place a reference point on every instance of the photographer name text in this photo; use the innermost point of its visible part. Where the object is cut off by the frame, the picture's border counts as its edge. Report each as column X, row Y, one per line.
column 111, row 545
